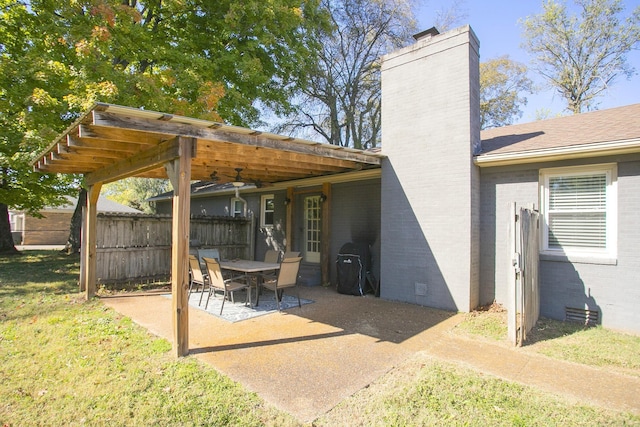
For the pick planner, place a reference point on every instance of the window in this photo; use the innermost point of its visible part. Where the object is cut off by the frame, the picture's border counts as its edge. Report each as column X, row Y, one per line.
column 579, row 209
column 266, row 210
column 237, row 208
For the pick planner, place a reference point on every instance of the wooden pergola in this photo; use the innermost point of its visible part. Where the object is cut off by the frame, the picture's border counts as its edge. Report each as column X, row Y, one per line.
column 111, row 142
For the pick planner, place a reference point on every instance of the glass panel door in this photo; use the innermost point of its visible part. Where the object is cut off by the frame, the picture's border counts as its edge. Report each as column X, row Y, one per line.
column 312, row 229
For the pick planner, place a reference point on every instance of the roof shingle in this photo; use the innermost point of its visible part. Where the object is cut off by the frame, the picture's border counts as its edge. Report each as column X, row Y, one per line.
column 615, row 124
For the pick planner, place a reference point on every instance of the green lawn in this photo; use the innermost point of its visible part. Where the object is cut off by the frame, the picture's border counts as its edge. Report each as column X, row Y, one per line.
column 64, row 361
column 573, row 342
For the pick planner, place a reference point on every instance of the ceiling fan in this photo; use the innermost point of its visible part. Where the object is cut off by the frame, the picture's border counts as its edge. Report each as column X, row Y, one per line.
column 237, row 180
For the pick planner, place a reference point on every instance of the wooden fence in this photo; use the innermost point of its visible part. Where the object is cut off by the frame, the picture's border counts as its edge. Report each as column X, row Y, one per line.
column 134, row 248
column 523, row 308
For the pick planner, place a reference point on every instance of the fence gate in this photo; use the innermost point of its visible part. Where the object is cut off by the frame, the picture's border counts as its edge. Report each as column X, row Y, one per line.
column 524, row 294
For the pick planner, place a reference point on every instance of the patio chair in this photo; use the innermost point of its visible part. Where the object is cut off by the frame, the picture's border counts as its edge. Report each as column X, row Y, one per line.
column 287, row 278
column 272, row 256
column 217, row 282
column 197, row 278
column 291, row 254
column 208, row 253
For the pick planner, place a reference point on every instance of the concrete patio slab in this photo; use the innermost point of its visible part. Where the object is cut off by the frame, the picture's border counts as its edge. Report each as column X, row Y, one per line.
column 307, row 360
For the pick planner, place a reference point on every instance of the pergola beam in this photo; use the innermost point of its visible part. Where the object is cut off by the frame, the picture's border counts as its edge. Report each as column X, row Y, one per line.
column 139, row 163
column 254, row 139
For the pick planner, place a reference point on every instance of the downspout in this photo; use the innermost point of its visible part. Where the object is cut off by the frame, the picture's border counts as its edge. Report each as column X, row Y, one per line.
column 244, row 213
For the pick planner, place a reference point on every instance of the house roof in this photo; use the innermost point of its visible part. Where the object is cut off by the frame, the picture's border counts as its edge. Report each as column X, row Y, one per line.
column 596, row 133
column 110, row 142
column 104, row 205
column 199, row 188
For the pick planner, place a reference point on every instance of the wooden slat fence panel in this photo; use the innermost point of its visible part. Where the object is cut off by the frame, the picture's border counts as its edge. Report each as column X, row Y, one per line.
column 524, row 300
column 134, row 248
column 530, row 255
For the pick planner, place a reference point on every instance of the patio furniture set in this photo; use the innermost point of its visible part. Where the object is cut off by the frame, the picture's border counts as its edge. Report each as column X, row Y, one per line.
column 207, row 270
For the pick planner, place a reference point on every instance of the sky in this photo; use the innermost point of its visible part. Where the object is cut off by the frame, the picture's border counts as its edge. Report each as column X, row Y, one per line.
column 495, row 23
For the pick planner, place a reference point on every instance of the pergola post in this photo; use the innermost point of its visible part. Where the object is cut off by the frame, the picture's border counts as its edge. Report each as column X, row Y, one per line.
column 179, row 172
column 89, row 265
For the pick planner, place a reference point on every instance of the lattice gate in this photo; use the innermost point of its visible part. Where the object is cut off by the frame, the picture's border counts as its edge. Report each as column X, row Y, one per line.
column 523, row 308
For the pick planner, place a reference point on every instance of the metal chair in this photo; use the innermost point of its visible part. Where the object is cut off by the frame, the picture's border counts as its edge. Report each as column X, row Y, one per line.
column 287, row 278
column 217, row 282
column 197, row 278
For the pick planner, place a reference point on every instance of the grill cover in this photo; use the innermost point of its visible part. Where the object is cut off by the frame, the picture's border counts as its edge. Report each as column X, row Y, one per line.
column 352, row 264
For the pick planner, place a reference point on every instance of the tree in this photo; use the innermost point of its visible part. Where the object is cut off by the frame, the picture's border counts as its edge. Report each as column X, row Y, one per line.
column 448, row 18
column 27, row 122
column 339, row 96
column 134, row 192
column 502, row 82
column 581, row 56
column 197, row 58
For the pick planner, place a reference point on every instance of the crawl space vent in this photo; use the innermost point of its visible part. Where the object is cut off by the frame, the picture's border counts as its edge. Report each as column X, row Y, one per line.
column 581, row 315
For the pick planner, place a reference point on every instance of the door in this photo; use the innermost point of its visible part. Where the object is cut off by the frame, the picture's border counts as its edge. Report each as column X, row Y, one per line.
column 312, row 229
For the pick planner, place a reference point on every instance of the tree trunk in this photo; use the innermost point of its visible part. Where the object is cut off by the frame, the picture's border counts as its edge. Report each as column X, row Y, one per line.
column 75, row 232
column 6, row 239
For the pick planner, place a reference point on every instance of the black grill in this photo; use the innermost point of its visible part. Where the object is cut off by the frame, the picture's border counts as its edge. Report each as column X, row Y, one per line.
column 353, row 264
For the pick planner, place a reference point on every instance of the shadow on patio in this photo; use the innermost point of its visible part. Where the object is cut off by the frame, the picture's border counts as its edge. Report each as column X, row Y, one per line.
column 303, row 360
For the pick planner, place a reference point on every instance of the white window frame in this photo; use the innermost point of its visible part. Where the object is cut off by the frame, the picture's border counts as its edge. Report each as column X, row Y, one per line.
column 609, row 252
column 263, row 210
column 232, row 211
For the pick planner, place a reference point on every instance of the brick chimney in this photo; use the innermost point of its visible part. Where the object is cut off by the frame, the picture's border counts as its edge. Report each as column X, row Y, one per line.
column 430, row 186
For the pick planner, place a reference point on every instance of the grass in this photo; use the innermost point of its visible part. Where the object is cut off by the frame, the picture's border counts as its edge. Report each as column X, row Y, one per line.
column 428, row 392
column 574, row 342
column 65, row 361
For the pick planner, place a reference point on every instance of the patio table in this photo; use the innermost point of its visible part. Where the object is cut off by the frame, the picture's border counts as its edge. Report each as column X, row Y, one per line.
column 249, row 267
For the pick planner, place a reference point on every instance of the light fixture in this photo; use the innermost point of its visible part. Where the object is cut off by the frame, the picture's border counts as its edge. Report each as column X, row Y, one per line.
column 237, row 181
column 323, row 197
column 287, row 201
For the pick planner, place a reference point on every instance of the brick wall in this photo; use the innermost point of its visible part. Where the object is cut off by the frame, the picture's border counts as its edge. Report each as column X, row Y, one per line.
column 612, row 289
column 430, row 202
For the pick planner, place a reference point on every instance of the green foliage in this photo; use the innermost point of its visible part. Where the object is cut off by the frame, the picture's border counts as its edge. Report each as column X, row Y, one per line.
column 502, row 82
column 203, row 59
column 581, row 56
column 134, row 192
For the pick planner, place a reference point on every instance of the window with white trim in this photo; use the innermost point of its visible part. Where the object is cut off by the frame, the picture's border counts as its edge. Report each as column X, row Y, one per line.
column 579, row 206
column 238, row 207
column 267, row 206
